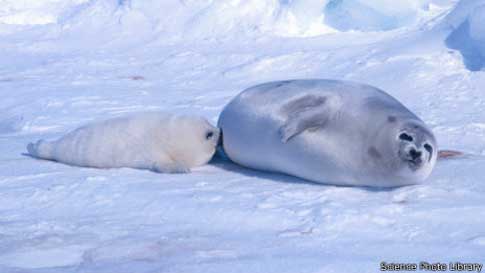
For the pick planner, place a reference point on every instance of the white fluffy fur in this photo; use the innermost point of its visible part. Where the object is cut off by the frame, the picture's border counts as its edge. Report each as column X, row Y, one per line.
column 157, row 141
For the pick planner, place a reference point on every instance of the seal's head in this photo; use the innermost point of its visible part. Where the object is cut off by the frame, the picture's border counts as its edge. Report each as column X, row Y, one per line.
column 405, row 151
column 416, row 148
column 194, row 140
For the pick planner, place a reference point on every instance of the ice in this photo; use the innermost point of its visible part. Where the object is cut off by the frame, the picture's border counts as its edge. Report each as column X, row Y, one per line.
column 99, row 59
column 371, row 15
column 468, row 35
column 212, row 18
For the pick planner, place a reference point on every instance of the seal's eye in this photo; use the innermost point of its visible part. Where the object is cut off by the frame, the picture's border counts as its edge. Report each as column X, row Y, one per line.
column 406, row 137
column 209, row 135
column 428, row 148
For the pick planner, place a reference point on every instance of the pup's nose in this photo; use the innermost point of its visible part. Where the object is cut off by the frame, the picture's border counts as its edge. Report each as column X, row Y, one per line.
column 414, row 154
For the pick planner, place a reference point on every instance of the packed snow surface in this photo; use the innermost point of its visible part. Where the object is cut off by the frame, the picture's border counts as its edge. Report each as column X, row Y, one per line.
column 66, row 63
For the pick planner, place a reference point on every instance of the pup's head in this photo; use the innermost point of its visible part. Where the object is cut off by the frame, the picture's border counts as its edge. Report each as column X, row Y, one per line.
column 196, row 140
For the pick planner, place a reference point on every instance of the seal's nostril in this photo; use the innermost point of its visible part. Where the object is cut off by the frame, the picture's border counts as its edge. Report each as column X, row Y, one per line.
column 414, row 154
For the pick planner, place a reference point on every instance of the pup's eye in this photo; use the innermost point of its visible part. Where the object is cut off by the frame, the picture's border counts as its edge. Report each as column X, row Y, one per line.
column 209, row 135
column 406, row 137
column 428, row 148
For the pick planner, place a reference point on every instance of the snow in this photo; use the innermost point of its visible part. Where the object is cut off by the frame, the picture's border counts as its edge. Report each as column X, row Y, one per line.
column 90, row 60
column 27, row 12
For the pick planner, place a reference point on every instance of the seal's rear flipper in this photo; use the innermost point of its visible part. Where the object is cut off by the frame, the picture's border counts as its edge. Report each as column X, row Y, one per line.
column 32, row 149
column 449, row 154
column 174, row 167
column 40, row 149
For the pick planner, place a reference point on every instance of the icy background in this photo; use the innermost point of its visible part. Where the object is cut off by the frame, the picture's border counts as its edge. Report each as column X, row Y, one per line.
column 67, row 62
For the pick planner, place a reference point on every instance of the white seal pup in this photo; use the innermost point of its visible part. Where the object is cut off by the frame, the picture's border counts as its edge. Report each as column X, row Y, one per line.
column 157, row 141
column 328, row 131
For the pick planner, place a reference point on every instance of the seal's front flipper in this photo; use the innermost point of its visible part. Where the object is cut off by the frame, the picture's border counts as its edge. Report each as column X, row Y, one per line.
column 309, row 120
column 309, row 112
column 170, row 168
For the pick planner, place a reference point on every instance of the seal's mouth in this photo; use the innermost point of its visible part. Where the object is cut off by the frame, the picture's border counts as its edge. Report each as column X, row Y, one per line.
column 415, row 163
column 415, row 159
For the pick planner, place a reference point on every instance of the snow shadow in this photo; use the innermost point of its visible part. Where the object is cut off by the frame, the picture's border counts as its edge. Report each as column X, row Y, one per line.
column 222, row 162
column 467, row 21
column 227, row 165
column 461, row 40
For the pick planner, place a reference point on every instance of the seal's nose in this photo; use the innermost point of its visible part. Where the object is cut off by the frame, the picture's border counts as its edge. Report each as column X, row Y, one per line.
column 414, row 154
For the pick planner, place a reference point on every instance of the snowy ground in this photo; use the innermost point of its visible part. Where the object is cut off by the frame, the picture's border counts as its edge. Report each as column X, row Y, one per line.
column 65, row 63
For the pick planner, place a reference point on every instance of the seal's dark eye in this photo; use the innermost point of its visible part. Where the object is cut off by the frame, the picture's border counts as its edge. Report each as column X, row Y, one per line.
column 428, row 148
column 209, row 135
column 406, row 137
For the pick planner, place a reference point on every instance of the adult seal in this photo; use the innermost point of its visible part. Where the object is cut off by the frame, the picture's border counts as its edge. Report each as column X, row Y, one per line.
column 328, row 131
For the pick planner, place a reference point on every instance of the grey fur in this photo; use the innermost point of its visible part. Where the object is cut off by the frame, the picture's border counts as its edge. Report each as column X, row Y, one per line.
column 354, row 137
column 374, row 152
